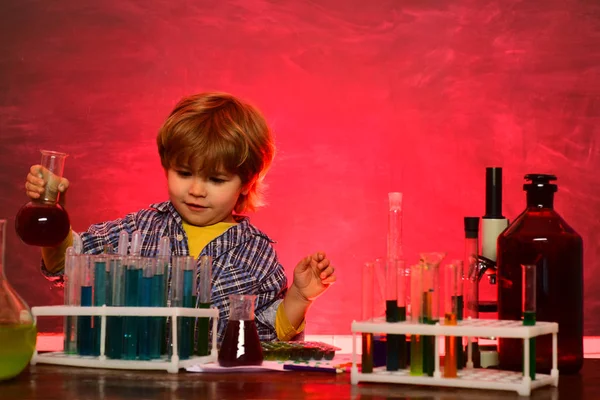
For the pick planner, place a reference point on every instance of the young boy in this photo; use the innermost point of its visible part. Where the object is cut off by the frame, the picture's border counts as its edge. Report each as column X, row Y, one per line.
column 215, row 150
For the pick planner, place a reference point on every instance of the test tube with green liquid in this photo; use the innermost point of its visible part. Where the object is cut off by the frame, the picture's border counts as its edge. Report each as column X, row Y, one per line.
column 453, row 301
column 430, row 305
column 85, row 328
column 367, row 315
column 158, row 299
column 186, row 324
column 179, row 266
column 204, row 301
column 115, row 324
column 72, row 292
column 529, row 309
column 416, row 341
column 133, row 286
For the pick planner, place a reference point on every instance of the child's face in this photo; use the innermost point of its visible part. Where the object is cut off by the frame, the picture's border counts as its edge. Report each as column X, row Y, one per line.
column 202, row 200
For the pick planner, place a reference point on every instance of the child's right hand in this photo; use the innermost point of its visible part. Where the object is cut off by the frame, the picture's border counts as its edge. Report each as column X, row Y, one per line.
column 35, row 183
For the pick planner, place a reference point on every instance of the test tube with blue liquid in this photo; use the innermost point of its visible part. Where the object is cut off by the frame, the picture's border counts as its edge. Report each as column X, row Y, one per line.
column 186, row 324
column 101, row 291
column 115, row 324
column 204, row 300
column 85, row 328
column 159, row 324
column 133, row 287
column 529, row 311
column 145, row 339
column 178, row 293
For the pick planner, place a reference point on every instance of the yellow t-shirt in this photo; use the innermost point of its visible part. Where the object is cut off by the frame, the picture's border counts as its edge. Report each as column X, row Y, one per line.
column 199, row 236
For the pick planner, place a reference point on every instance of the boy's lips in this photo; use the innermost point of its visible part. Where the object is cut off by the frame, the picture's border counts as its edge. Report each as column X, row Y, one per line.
column 195, row 207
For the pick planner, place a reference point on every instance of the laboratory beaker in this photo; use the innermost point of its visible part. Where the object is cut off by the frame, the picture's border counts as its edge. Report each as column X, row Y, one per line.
column 44, row 222
column 17, row 329
column 241, row 345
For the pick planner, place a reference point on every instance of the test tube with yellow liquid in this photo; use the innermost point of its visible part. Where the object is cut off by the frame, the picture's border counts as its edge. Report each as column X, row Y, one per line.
column 416, row 341
column 453, row 309
column 430, row 263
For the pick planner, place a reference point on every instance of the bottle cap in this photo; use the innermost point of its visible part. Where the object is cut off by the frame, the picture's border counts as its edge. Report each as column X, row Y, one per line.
column 540, row 182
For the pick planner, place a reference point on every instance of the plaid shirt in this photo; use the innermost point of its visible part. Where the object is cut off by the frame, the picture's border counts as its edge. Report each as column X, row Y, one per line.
column 244, row 261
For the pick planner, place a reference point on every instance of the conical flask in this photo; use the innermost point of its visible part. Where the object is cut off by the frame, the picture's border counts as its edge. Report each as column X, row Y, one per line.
column 17, row 329
column 43, row 222
column 241, row 345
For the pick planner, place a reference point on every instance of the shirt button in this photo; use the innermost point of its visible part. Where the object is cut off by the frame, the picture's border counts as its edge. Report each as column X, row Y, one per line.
column 179, row 237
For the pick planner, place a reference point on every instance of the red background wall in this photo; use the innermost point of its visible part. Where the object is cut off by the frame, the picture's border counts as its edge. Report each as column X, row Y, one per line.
column 417, row 96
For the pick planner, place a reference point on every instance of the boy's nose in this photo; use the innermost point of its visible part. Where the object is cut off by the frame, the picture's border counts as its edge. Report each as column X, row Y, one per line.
column 198, row 188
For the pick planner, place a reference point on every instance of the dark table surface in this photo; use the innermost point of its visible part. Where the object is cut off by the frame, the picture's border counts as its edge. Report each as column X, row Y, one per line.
column 56, row 382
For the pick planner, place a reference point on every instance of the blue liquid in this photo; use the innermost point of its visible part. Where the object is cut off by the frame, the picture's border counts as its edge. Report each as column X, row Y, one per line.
column 186, row 325
column 144, row 323
column 114, row 337
column 99, row 299
column 85, row 330
column 132, row 299
column 157, row 324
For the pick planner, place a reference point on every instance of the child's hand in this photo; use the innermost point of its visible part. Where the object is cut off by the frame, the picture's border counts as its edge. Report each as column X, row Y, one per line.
column 313, row 275
column 35, row 183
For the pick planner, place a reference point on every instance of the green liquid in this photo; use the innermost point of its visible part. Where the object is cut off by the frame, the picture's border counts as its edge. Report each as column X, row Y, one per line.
column 202, row 348
column 17, row 343
column 416, row 355
column 402, row 361
column 529, row 320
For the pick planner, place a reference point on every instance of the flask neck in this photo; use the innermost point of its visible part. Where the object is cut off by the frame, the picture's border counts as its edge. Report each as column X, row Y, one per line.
column 540, row 199
column 2, row 247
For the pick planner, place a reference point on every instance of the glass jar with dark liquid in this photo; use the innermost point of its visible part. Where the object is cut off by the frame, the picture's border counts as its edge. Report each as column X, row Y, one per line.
column 241, row 345
column 540, row 236
column 44, row 222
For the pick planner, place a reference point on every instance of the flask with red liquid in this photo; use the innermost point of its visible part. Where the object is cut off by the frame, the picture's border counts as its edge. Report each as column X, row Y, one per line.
column 540, row 236
column 241, row 345
column 44, row 222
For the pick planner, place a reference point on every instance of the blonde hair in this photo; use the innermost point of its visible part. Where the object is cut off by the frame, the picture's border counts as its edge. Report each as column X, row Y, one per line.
column 208, row 132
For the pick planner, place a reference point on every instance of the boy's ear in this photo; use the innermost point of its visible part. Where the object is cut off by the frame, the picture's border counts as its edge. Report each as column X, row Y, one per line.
column 246, row 188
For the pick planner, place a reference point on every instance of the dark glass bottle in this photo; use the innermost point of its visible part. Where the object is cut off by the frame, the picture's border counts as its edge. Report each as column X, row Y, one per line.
column 540, row 236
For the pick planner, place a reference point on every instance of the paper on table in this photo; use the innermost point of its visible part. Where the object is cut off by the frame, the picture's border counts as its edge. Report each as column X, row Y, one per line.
column 338, row 360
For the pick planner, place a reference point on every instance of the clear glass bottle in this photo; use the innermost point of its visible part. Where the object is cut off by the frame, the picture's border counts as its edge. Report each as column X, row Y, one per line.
column 17, row 330
column 540, row 236
column 44, row 222
column 241, row 344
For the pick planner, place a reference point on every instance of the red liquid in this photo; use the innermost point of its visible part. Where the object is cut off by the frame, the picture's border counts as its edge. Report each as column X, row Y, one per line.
column 241, row 345
column 39, row 224
column 558, row 254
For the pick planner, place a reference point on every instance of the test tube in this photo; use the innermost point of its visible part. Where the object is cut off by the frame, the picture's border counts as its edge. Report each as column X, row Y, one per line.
column 367, row 315
column 401, row 285
column 72, row 291
column 85, row 328
column 204, row 301
column 529, row 310
column 177, row 294
column 161, row 281
column 133, row 283
column 115, row 324
column 452, row 304
column 146, row 340
column 186, row 324
column 416, row 341
column 391, row 311
column 430, row 305
column 100, row 293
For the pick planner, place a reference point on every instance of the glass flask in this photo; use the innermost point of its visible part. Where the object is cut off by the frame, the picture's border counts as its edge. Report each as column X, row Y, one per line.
column 44, row 222
column 241, row 345
column 540, row 236
column 17, row 329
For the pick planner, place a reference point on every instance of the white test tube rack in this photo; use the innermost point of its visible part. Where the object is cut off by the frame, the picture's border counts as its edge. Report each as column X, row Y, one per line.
column 469, row 377
column 172, row 365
